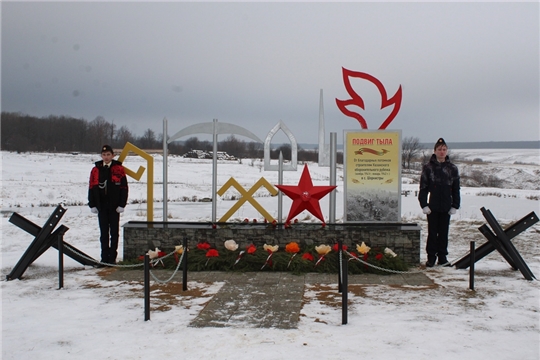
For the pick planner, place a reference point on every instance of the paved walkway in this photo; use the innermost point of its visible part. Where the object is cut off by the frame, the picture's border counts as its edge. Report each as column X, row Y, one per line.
column 262, row 299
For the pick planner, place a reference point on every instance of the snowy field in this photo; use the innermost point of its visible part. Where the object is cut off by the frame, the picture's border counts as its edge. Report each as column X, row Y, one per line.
column 98, row 319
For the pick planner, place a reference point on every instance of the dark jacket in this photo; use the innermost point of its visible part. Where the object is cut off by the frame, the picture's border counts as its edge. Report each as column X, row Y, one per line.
column 108, row 186
column 441, row 182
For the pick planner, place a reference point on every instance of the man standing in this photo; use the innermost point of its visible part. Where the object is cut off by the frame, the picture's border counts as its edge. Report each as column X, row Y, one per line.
column 439, row 179
column 107, row 197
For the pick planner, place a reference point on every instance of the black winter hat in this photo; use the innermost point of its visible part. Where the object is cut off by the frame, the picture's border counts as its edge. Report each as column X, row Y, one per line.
column 439, row 142
column 107, row 148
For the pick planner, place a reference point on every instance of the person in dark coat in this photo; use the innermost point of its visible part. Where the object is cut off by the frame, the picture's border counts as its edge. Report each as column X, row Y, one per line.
column 107, row 197
column 439, row 180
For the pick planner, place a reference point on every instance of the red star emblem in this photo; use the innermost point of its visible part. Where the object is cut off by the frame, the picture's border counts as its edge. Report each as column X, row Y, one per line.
column 305, row 196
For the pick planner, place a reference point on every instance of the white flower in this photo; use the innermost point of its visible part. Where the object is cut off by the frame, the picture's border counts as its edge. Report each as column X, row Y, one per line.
column 323, row 249
column 271, row 248
column 389, row 251
column 153, row 254
column 231, row 245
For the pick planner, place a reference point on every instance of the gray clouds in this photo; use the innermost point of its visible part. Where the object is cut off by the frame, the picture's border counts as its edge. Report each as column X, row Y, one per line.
column 469, row 71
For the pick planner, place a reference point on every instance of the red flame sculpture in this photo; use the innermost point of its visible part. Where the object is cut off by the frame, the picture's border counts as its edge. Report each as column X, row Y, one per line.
column 358, row 101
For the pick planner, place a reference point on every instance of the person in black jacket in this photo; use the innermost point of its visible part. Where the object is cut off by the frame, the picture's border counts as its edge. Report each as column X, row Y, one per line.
column 107, row 197
column 439, row 179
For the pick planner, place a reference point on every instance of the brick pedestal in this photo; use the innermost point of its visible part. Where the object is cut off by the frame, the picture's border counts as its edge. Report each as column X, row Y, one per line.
column 139, row 237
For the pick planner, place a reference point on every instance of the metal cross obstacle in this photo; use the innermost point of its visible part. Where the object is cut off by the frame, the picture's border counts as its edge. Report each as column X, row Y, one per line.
column 44, row 238
column 500, row 239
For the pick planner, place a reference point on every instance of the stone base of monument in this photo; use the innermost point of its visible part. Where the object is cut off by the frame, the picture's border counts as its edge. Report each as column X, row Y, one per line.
column 141, row 236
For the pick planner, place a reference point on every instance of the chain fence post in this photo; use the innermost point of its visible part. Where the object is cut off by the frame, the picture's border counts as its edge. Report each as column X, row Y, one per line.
column 146, row 287
column 345, row 289
column 184, row 264
column 60, row 261
column 471, row 267
column 340, row 268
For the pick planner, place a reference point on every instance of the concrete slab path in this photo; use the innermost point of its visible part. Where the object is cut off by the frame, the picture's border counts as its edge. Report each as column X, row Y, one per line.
column 263, row 299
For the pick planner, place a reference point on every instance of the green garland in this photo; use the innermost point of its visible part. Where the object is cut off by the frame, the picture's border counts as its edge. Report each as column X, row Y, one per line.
column 284, row 261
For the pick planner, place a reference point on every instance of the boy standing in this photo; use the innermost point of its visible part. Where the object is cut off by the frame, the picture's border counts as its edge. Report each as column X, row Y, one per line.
column 107, row 197
column 439, row 179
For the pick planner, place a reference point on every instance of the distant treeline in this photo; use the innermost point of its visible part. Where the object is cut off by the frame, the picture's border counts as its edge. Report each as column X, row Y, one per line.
column 25, row 133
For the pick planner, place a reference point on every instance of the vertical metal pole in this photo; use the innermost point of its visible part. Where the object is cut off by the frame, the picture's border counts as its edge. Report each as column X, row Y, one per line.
column 60, row 261
column 323, row 156
column 214, row 173
column 146, row 287
column 165, row 170
column 340, row 266
column 333, row 156
column 471, row 267
column 280, row 182
column 184, row 265
column 345, row 292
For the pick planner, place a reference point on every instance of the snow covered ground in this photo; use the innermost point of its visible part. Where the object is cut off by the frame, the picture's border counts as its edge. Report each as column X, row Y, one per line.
column 94, row 318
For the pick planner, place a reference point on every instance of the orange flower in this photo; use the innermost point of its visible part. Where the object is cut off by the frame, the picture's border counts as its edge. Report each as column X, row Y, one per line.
column 292, row 247
column 179, row 249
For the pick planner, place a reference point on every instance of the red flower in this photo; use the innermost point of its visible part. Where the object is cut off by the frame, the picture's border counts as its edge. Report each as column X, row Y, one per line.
column 307, row 256
column 335, row 247
column 353, row 254
column 212, row 253
column 161, row 253
column 251, row 249
column 379, row 256
column 365, row 259
column 254, row 220
column 246, row 220
column 203, row 246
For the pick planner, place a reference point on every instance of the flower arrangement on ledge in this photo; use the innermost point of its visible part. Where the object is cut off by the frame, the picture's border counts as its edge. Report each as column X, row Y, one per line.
column 323, row 258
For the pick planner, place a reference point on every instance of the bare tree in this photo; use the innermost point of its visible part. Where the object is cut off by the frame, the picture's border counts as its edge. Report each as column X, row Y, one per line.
column 192, row 143
column 255, row 149
column 233, row 146
column 99, row 130
column 123, row 135
column 148, row 140
column 410, row 149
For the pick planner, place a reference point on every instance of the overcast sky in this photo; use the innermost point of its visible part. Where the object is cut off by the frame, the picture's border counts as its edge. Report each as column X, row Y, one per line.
column 469, row 71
